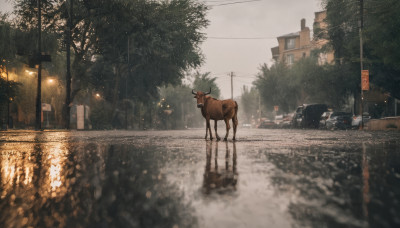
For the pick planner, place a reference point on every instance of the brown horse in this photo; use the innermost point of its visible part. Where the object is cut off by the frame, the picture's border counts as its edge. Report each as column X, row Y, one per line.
column 214, row 109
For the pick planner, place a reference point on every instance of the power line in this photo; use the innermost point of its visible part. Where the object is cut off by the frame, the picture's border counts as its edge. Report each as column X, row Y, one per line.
column 240, row 38
column 217, row 1
column 232, row 3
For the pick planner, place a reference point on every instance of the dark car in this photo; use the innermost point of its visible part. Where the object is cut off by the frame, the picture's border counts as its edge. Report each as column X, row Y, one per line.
column 339, row 120
column 267, row 124
column 308, row 115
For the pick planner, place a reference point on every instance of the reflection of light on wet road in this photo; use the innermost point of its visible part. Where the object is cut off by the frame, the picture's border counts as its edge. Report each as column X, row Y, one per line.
column 268, row 178
column 28, row 174
column 365, row 175
column 53, row 162
column 16, row 167
column 56, row 157
column 18, row 162
column 8, row 170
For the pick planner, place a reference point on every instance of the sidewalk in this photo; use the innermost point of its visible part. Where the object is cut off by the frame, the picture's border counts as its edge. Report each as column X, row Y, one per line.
column 387, row 123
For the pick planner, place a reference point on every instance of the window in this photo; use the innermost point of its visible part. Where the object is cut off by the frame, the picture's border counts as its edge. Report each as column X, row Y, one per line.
column 290, row 43
column 289, row 59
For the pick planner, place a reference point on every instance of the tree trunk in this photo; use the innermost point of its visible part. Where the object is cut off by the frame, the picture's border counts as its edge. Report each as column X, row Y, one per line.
column 115, row 91
column 67, row 107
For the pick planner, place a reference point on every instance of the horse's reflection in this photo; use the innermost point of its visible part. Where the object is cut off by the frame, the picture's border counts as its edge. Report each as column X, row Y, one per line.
column 220, row 179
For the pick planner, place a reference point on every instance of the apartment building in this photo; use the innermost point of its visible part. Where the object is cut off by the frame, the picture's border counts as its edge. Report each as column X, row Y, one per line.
column 294, row 46
column 320, row 39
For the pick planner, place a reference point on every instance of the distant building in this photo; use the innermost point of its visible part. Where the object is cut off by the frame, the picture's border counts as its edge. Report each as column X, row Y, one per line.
column 294, row 46
column 320, row 39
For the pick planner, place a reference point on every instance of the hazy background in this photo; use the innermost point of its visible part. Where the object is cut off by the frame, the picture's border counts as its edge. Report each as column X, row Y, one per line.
column 241, row 35
column 266, row 19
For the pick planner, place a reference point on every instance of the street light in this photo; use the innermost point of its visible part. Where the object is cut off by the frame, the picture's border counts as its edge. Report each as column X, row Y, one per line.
column 30, row 72
column 50, row 91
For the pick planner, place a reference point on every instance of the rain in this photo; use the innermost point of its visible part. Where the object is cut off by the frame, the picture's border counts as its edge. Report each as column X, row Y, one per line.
column 198, row 113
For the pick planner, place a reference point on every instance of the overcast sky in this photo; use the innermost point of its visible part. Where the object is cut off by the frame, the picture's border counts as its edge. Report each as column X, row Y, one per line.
column 262, row 19
column 265, row 19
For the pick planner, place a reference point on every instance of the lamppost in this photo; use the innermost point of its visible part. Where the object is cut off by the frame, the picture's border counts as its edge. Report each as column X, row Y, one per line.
column 37, row 59
column 8, row 102
column 51, row 82
column 38, row 123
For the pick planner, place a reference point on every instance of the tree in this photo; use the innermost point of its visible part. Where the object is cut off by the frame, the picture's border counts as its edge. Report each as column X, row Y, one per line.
column 8, row 91
column 179, row 100
column 277, row 87
column 8, row 88
column 249, row 103
column 161, row 38
column 305, row 82
column 204, row 82
column 381, row 40
column 146, row 45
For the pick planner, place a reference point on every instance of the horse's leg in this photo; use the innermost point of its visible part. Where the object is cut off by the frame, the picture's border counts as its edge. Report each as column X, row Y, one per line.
column 215, row 127
column 209, row 128
column 207, row 123
column 235, row 123
column 216, row 157
column 227, row 129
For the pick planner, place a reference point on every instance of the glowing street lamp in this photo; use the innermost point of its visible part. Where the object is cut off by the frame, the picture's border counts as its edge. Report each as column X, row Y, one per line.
column 30, row 72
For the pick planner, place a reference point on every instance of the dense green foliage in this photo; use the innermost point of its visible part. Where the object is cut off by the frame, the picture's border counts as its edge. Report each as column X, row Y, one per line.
column 181, row 103
column 8, row 91
column 160, row 38
column 122, row 49
column 381, row 38
column 302, row 83
column 249, row 105
column 308, row 82
column 204, row 82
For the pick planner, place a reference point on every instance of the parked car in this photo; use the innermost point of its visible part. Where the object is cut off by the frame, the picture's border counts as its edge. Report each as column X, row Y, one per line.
column 324, row 117
column 267, row 124
column 297, row 118
column 286, row 121
column 246, row 125
column 278, row 120
column 356, row 122
column 308, row 115
column 339, row 120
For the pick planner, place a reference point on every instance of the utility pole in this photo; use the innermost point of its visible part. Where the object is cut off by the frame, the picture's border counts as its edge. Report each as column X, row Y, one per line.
column 67, row 107
column 8, row 101
column 126, row 91
column 38, row 124
column 361, row 61
column 232, row 85
column 259, row 107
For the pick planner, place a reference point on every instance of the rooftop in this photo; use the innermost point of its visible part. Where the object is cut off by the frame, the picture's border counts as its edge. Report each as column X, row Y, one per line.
column 294, row 34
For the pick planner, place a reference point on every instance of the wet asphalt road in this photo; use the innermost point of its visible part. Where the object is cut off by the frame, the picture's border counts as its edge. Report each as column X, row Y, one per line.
column 267, row 178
